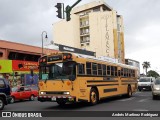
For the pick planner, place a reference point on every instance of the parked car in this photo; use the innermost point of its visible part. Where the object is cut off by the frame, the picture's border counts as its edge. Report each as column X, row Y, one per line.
column 145, row 83
column 22, row 93
column 5, row 92
column 156, row 88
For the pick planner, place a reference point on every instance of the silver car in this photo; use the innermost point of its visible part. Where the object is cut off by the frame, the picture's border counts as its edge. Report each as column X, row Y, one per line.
column 156, row 88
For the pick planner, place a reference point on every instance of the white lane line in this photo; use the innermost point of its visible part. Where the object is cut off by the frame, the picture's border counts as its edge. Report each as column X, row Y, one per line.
column 137, row 92
column 143, row 100
column 140, row 110
column 128, row 99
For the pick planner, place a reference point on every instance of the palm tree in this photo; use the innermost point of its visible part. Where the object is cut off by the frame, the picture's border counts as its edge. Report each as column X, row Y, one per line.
column 146, row 65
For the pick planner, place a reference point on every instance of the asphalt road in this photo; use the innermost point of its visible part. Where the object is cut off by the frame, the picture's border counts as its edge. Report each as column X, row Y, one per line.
column 140, row 101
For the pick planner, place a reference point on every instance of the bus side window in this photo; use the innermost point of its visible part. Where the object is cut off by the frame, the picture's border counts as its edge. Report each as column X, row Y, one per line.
column 81, row 68
column 109, row 70
column 88, row 68
column 99, row 69
column 94, row 68
column 115, row 71
column 112, row 70
column 104, row 70
column 122, row 72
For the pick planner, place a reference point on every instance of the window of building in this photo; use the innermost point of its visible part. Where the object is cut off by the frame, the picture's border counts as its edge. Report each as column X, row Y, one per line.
column 87, row 30
column 81, row 69
column 87, row 44
column 88, row 67
column 87, row 22
column 82, row 44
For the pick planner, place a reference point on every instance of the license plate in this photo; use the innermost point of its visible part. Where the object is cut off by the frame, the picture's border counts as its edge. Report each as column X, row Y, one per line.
column 53, row 99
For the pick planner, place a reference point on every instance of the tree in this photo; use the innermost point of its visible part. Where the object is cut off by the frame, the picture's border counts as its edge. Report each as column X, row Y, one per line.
column 146, row 65
column 152, row 73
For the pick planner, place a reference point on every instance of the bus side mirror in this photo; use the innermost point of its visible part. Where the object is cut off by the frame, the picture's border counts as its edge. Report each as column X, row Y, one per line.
column 72, row 77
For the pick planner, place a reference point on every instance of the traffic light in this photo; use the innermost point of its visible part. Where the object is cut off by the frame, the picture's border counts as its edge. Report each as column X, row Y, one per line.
column 60, row 10
column 68, row 13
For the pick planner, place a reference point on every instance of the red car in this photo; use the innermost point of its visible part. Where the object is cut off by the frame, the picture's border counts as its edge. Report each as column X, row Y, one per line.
column 22, row 93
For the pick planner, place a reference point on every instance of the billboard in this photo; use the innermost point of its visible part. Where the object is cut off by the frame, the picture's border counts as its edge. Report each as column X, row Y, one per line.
column 5, row 66
column 19, row 65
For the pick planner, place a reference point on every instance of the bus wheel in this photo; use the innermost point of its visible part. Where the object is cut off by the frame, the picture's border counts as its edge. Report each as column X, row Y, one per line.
column 129, row 92
column 61, row 102
column 93, row 96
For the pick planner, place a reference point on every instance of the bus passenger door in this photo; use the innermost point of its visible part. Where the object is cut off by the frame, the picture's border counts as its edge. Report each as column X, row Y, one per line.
column 82, row 80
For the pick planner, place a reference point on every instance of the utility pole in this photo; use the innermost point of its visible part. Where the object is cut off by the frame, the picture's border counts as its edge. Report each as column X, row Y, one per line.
column 68, row 10
column 60, row 10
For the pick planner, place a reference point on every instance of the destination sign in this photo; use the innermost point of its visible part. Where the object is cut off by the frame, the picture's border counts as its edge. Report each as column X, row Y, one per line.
column 55, row 58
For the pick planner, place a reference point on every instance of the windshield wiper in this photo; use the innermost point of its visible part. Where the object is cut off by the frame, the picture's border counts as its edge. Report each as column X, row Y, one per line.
column 60, row 76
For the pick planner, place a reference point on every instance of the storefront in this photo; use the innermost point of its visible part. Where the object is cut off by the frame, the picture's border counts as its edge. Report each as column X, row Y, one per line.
column 19, row 72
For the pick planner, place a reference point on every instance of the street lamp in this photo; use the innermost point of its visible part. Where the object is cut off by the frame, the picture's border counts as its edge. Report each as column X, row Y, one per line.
column 42, row 39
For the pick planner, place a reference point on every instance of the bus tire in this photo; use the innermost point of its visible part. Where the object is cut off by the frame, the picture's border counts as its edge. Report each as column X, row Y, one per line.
column 1, row 103
column 93, row 96
column 129, row 92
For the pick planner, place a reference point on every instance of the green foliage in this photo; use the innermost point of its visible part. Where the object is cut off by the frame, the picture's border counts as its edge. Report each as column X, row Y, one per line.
column 152, row 73
column 146, row 65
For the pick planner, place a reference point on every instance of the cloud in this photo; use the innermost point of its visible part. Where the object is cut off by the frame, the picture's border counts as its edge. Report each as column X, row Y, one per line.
column 24, row 20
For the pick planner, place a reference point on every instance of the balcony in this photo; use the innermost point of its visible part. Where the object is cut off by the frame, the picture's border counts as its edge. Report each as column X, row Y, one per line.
column 84, row 26
column 84, row 34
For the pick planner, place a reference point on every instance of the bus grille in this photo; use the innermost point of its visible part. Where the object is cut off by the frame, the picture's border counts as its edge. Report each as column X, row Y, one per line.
column 59, row 93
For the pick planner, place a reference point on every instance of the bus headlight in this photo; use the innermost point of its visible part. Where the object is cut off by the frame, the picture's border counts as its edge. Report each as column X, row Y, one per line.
column 66, row 93
column 43, row 93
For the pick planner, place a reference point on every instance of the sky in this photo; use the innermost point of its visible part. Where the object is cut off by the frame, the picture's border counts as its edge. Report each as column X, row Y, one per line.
column 23, row 21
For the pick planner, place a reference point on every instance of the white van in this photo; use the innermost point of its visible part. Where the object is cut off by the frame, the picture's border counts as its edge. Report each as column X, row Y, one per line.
column 145, row 83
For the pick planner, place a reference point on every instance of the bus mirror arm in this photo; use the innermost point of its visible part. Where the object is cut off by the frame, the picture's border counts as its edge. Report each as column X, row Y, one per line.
column 72, row 77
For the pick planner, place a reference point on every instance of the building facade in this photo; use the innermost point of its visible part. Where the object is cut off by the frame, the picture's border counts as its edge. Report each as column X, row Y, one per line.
column 17, row 60
column 95, row 27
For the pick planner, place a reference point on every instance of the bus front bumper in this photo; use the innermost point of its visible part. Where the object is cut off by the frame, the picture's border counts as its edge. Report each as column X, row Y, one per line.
column 54, row 98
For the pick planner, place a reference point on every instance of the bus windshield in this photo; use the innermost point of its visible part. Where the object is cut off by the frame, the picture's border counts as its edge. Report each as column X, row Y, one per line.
column 57, row 71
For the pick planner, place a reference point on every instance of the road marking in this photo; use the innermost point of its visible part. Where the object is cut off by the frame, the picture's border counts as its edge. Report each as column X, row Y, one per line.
column 137, row 92
column 128, row 99
column 140, row 110
column 143, row 100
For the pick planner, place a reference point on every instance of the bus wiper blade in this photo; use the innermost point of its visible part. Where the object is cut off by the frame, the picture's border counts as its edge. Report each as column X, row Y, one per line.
column 45, row 80
column 60, row 76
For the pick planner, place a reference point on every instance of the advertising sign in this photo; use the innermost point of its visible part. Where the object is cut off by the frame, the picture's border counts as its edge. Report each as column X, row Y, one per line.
column 19, row 65
column 5, row 66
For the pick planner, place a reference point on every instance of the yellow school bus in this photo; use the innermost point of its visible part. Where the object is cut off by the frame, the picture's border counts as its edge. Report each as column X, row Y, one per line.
column 68, row 77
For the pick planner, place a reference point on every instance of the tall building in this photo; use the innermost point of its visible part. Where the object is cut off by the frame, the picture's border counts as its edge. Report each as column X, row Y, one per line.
column 95, row 27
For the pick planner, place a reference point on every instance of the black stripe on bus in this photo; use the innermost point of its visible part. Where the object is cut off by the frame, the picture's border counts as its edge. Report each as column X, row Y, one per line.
column 82, row 100
column 97, row 76
column 102, row 85
column 102, row 81
column 128, row 81
column 110, row 90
